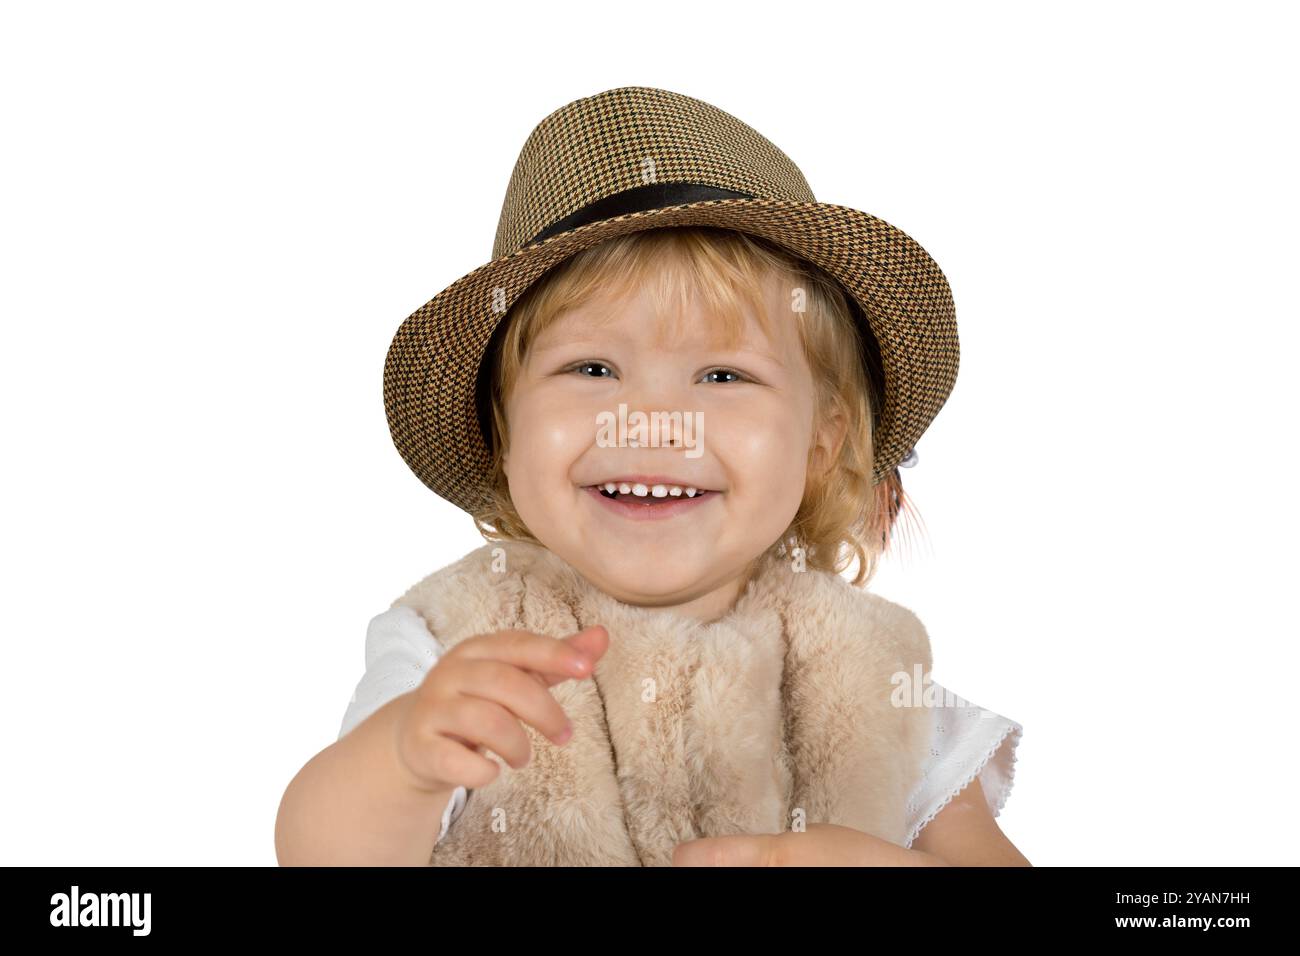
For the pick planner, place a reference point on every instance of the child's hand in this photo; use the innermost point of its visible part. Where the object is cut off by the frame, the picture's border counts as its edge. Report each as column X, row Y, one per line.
column 477, row 694
column 822, row 844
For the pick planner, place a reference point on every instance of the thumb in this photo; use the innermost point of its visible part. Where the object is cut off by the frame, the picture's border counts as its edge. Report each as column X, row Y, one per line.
column 591, row 643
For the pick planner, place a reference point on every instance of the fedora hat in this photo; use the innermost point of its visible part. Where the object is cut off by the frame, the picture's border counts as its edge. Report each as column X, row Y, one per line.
column 637, row 158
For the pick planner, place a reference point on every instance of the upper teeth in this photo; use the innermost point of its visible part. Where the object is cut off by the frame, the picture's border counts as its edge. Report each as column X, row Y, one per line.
column 641, row 491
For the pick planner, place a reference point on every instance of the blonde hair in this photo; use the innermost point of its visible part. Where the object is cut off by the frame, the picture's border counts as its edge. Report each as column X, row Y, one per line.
column 842, row 516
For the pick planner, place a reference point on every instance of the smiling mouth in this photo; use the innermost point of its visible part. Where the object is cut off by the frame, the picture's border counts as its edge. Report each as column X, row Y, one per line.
column 644, row 502
column 648, row 494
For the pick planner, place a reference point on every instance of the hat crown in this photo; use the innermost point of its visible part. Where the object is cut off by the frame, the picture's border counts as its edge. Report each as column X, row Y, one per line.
column 628, row 138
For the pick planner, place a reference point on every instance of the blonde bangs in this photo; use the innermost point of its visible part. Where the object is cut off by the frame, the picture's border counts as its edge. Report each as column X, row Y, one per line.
column 673, row 268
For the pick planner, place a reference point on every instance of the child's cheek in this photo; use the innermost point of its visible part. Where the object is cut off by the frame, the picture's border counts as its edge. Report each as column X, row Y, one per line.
column 546, row 439
column 763, row 448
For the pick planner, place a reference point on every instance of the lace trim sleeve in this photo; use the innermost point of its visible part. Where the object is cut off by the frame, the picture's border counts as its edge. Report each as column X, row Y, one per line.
column 399, row 652
column 967, row 741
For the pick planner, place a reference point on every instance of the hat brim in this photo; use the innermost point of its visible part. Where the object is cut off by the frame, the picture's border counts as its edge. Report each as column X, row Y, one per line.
column 431, row 370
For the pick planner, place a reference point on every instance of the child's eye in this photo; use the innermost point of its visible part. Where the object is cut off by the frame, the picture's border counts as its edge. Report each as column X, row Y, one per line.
column 583, row 366
column 724, row 371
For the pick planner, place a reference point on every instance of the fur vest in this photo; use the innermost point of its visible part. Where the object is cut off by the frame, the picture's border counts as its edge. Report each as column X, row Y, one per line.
column 778, row 714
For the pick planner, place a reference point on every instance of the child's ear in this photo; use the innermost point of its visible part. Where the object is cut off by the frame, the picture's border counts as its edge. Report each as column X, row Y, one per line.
column 830, row 436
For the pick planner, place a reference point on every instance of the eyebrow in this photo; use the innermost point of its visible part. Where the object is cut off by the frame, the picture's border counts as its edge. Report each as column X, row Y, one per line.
column 563, row 344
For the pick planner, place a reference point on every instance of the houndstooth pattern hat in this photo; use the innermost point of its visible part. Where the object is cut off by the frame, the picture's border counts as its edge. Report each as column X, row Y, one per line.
column 581, row 179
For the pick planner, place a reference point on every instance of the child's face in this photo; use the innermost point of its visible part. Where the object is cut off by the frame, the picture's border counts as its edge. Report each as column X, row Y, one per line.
column 752, row 449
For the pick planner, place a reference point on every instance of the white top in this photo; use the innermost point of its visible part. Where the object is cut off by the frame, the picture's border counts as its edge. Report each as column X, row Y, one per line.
column 967, row 741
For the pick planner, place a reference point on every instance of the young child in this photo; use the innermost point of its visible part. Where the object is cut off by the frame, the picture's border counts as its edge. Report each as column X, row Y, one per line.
column 675, row 404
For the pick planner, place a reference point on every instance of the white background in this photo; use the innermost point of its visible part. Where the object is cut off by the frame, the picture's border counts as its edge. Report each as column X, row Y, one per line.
column 215, row 217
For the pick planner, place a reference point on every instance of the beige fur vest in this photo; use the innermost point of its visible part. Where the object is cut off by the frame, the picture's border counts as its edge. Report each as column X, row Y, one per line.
column 776, row 715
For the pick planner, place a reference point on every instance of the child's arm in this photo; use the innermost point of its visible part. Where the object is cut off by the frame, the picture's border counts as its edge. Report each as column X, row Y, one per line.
column 964, row 833
column 354, row 803
column 376, row 796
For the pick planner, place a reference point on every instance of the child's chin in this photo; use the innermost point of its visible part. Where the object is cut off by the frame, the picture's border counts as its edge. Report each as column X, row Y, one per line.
column 649, row 564
column 646, row 583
